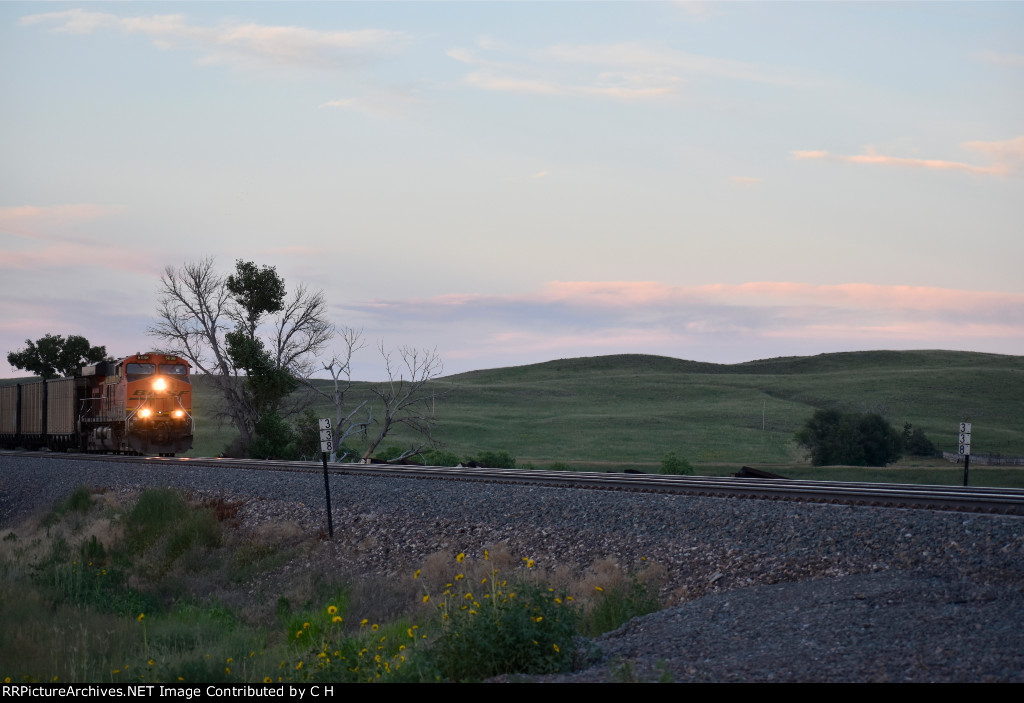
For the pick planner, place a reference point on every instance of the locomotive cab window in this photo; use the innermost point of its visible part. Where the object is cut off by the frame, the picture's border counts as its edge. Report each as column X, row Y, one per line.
column 137, row 371
column 178, row 370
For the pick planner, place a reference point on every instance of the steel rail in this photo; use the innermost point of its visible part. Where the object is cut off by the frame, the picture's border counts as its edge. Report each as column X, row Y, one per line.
column 1006, row 501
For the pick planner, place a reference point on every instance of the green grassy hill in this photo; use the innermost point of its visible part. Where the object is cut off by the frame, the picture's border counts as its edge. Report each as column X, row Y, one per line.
column 631, row 409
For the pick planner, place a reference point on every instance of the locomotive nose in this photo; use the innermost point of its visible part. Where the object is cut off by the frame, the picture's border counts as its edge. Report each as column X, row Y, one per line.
column 160, row 384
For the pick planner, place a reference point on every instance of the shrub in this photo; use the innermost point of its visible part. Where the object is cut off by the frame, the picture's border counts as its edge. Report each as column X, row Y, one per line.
column 529, row 629
column 439, row 457
column 274, row 439
column 673, row 465
column 854, row 439
column 916, row 443
column 495, row 460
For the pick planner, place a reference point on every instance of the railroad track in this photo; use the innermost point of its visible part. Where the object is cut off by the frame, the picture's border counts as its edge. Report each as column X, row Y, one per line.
column 1008, row 501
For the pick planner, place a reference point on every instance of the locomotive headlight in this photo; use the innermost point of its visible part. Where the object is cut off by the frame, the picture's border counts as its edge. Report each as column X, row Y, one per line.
column 160, row 384
column 145, row 412
column 179, row 413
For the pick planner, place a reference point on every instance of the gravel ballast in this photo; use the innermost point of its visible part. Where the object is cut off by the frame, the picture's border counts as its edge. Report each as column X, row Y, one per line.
column 759, row 590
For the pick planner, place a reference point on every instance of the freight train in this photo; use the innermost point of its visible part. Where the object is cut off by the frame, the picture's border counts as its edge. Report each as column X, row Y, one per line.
column 141, row 404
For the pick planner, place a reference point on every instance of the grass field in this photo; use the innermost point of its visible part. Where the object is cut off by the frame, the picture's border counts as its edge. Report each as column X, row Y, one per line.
column 627, row 411
column 612, row 412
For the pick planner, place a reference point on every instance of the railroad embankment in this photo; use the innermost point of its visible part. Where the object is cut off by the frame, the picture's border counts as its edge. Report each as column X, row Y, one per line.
column 754, row 590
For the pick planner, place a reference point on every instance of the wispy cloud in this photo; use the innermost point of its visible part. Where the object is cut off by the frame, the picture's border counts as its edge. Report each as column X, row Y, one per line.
column 1012, row 60
column 242, row 45
column 620, row 71
column 35, row 222
column 1007, row 157
column 53, row 258
column 380, row 103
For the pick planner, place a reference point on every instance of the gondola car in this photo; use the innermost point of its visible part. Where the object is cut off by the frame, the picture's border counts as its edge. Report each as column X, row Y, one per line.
column 139, row 405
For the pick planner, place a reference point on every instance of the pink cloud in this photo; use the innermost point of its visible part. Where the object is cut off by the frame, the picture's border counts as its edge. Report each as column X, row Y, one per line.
column 77, row 256
column 871, row 157
column 32, row 222
column 1007, row 156
column 243, row 45
column 1010, row 151
column 763, row 294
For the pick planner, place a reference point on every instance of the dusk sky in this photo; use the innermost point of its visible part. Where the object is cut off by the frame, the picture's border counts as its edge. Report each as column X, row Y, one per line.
column 525, row 181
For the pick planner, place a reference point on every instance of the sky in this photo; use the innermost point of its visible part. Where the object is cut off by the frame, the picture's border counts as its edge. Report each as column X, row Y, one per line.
column 516, row 182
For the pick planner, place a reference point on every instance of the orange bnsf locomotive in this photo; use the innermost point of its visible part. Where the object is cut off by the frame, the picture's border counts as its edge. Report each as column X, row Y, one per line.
column 139, row 405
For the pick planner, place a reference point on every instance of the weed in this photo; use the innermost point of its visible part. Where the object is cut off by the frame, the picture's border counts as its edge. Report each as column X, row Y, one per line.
column 614, row 607
column 489, row 628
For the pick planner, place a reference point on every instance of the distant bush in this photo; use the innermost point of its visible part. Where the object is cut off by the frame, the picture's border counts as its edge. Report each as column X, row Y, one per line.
column 915, row 442
column 853, row 439
column 674, row 465
column 439, row 457
column 494, row 460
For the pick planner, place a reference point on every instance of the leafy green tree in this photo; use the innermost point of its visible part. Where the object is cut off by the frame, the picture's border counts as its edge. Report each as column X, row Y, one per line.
column 853, row 439
column 53, row 355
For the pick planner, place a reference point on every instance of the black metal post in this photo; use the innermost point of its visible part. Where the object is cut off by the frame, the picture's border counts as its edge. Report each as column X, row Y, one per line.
column 327, row 491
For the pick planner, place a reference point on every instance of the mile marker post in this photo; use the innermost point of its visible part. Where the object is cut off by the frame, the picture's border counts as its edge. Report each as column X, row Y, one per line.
column 965, row 447
column 326, row 442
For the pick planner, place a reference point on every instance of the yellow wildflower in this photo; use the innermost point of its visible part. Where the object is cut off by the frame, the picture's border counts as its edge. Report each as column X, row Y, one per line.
column 267, row 679
column 141, row 617
column 556, row 647
column 305, row 626
column 426, row 598
column 459, row 577
column 599, row 589
column 151, row 662
column 337, row 618
column 487, row 555
column 529, row 563
column 417, row 574
column 461, row 557
column 375, row 627
column 332, row 610
column 363, row 622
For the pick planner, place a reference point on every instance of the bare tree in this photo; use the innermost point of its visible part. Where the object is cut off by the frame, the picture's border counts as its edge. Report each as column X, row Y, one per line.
column 339, row 366
column 408, row 396
column 193, row 315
